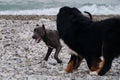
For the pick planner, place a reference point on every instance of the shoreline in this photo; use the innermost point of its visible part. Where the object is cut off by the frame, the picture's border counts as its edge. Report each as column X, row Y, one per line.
column 51, row 17
column 28, row 17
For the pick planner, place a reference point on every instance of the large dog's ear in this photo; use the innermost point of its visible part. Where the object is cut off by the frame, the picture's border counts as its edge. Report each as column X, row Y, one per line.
column 43, row 26
column 76, row 13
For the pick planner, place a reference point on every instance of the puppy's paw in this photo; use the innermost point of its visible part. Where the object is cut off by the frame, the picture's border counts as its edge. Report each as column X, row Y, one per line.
column 44, row 64
column 59, row 61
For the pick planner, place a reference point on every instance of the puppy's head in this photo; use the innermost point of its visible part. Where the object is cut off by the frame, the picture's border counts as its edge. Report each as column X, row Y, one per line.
column 39, row 33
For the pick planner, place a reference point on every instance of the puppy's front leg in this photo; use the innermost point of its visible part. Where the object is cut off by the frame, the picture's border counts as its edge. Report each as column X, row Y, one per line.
column 48, row 53
column 56, row 54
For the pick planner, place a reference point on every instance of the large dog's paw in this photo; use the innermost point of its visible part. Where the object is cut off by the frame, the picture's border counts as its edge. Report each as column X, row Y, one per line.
column 69, row 70
column 93, row 73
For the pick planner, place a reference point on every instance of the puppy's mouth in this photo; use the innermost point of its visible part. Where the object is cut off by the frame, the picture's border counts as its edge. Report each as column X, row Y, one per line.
column 37, row 40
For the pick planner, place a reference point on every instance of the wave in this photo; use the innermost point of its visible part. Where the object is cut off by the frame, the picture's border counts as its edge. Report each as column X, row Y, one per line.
column 102, row 9
column 93, row 9
column 50, row 11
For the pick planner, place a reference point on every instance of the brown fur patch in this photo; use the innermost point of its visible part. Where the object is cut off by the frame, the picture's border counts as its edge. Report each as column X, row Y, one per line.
column 98, row 67
column 70, row 67
column 94, row 68
column 78, row 64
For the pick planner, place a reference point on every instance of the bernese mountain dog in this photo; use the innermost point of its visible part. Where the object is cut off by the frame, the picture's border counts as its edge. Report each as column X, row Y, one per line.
column 98, row 42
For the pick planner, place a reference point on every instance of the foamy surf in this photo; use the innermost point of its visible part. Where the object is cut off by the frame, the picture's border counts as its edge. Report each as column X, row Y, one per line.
column 93, row 9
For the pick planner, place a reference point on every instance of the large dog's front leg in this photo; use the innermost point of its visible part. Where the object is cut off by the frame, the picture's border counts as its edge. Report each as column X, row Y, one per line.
column 73, row 63
column 95, row 64
column 106, row 67
column 107, row 64
column 48, row 53
column 108, row 58
column 56, row 54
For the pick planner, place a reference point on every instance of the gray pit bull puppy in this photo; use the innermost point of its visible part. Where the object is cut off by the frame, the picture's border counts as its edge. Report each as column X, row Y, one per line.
column 51, row 39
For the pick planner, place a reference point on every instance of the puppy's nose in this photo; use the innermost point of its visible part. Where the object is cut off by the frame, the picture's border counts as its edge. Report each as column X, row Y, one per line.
column 33, row 37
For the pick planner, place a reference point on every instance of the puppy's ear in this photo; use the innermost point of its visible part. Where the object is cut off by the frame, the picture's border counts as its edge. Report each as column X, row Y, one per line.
column 37, row 24
column 43, row 26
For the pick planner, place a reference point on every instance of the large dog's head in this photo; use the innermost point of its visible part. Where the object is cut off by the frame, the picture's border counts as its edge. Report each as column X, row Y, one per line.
column 39, row 33
column 68, row 13
column 71, row 18
column 67, row 18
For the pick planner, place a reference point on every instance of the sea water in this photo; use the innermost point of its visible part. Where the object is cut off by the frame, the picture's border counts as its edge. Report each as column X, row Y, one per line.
column 51, row 7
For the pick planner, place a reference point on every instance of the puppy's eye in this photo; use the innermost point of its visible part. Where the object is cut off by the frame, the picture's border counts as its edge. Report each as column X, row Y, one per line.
column 35, row 30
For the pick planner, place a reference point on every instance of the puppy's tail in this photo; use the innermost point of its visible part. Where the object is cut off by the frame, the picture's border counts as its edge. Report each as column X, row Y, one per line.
column 89, row 14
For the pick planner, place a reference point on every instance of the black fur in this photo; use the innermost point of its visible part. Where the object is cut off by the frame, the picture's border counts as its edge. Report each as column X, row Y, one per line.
column 88, row 38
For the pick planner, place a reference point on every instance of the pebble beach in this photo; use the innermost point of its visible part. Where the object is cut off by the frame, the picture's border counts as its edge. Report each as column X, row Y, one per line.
column 20, row 59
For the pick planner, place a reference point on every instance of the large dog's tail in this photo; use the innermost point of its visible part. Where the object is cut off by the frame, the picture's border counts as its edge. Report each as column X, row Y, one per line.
column 89, row 14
